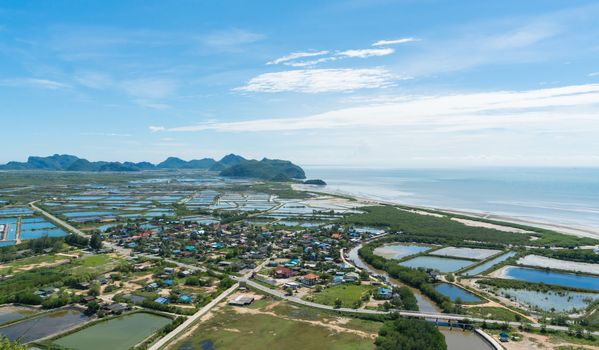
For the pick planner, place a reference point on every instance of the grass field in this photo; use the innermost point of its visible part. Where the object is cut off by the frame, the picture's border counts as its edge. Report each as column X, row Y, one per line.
column 38, row 259
column 347, row 293
column 266, row 327
column 496, row 313
column 95, row 263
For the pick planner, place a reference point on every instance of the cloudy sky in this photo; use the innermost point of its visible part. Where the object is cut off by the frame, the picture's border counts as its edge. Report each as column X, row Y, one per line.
column 376, row 83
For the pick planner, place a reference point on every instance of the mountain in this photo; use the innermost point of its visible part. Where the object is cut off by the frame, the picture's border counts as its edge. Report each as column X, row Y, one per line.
column 231, row 159
column 230, row 165
column 178, row 163
column 267, row 169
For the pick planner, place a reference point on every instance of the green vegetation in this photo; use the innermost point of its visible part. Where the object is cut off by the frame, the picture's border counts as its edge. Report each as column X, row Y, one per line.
column 416, row 278
column 443, row 229
column 410, row 334
column 580, row 255
column 6, row 344
column 266, row 169
column 287, row 329
column 495, row 313
column 281, row 190
column 426, row 228
column 343, row 295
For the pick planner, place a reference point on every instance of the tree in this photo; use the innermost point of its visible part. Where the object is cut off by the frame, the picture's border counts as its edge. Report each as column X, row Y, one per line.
column 94, row 289
column 95, row 242
column 410, row 334
column 6, row 344
column 338, row 303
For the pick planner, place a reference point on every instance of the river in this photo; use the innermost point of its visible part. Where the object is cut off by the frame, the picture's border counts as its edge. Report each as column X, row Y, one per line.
column 456, row 339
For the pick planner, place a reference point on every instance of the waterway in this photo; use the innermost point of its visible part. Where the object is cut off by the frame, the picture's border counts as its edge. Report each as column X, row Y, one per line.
column 456, row 339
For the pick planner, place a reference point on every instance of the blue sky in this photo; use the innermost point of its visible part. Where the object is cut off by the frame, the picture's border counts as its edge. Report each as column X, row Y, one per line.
column 358, row 83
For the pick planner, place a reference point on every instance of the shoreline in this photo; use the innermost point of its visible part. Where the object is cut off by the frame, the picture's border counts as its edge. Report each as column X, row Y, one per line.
column 533, row 222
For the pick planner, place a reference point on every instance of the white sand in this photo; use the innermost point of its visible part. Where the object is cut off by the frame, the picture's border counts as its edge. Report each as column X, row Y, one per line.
column 541, row 261
column 475, row 223
column 422, row 212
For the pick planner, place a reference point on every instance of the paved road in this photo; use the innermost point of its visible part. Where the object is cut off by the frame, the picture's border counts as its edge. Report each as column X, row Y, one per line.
column 195, row 317
column 192, row 319
column 120, row 250
column 405, row 313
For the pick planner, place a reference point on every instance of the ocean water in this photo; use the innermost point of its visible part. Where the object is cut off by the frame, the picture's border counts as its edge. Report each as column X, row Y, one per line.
column 566, row 196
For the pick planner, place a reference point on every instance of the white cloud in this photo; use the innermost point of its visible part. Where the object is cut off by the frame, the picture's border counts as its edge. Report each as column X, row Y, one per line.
column 594, row 74
column 556, row 108
column 310, row 62
column 105, row 134
column 34, row 83
column 152, row 105
column 320, row 80
column 231, row 39
column 363, row 53
column 296, row 55
column 150, row 88
column 156, row 128
column 94, row 80
column 394, row 42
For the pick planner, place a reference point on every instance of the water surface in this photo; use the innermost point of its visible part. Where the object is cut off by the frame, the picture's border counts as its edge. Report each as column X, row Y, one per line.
column 444, row 265
column 552, row 277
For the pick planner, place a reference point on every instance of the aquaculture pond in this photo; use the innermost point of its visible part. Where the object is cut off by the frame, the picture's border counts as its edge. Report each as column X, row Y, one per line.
column 457, row 339
column 454, row 292
column 559, row 301
column 484, row 267
column 12, row 313
column 43, row 326
column 551, row 277
column 399, row 251
column 444, row 265
column 55, row 232
column 119, row 333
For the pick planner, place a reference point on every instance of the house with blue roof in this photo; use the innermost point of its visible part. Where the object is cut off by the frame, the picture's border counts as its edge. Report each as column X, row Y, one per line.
column 161, row 300
column 384, row 293
column 184, row 298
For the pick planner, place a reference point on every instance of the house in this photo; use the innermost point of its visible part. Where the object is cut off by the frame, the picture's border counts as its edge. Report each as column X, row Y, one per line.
column 241, row 301
column 384, row 293
column 310, row 279
column 152, row 286
column 292, row 263
column 283, row 272
column 351, row 277
column 184, row 298
column 168, row 282
column 82, row 285
column 46, row 292
column 291, row 285
column 116, row 308
column 87, row 299
column 504, row 337
column 161, row 300
column 336, row 235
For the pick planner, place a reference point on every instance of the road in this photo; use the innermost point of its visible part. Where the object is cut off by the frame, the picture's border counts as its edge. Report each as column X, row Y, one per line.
column 164, row 341
column 405, row 313
column 120, row 250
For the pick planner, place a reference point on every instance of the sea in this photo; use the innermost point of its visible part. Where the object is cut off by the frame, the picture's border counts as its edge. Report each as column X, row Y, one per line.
column 556, row 196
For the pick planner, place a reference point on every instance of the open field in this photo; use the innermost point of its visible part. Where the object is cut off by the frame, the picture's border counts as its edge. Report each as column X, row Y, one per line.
column 277, row 325
column 347, row 293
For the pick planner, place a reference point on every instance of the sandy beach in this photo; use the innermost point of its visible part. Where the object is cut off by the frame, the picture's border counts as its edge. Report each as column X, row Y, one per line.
column 590, row 232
